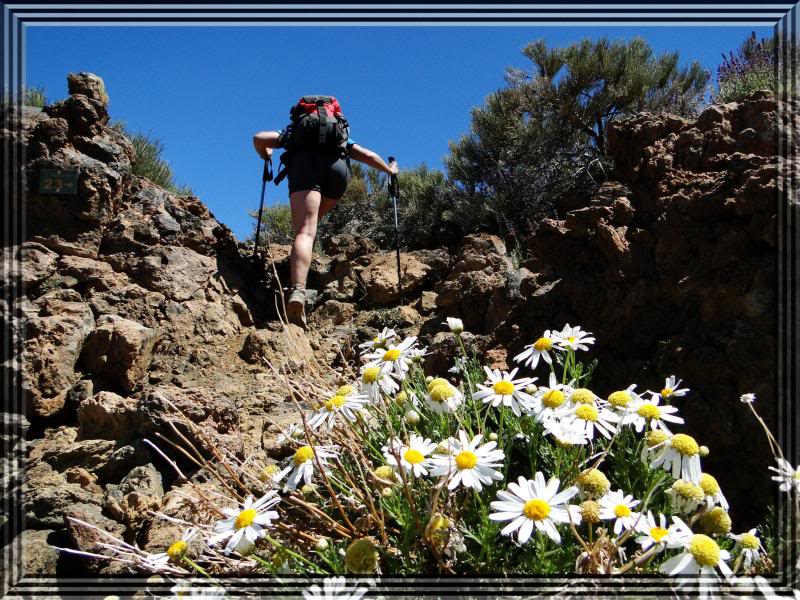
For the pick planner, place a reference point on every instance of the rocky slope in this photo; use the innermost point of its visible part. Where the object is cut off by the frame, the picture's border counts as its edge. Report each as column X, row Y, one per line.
column 129, row 297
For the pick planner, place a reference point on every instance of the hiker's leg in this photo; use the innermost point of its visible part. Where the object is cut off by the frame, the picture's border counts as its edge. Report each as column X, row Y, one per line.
column 305, row 206
column 325, row 207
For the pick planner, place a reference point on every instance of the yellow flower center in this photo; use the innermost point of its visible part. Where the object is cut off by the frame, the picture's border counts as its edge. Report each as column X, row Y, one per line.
column 413, row 456
column 620, row 399
column 654, row 437
column 593, row 482
column 345, row 390
column 335, row 402
column 590, row 511
column 543, row 344
column 622, row 511
column 649, row 411
column 536, row 509
column 709, row 484
column 177, row 550
column 370, row 374
column 685, row 444
column 384, row 472
column 504, row 388
column 704, row 550
column 391, row 355
column 553, row 398
column 466, row 460
column 749, row 541
column 582, row 396
column 401, row 397
column 658, row 533
column 797, row 476
column 571, row 339
column 437, row 381
column 687, row 489
column 269, row 472
column 303, row 455
column 666, row 392
column 586, row 412
column 441, row 392
column 245, row 518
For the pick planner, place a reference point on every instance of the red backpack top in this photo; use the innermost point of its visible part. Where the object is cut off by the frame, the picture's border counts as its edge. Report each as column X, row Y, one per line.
column 308, row 104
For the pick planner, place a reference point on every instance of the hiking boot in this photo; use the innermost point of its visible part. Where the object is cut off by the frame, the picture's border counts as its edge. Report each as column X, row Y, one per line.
column 296, row 308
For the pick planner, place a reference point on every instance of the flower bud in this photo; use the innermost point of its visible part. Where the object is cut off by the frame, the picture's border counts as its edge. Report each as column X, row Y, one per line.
column 704, row 451
column 387, row 492
column 412, row 417
column 429, row 378
column 493, row 437
column 321, row 545
column 361, row 557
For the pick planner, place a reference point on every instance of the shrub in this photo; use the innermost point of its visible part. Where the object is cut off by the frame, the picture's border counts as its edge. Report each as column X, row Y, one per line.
column 149, row 162
column 543, row 135
column 752, row 68
column 31, row 96
column 276, row 224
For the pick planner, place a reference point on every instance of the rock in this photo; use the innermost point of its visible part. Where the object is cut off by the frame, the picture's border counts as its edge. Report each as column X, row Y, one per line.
column 334, row 313
column 277, row 347
column 48, row 496
column 87, row 538
column 109, row 416
column 39, row 558
column 444, row 349
column 120, row 350
column 427, row 302
column 140, row 491
column 89, row 85
column 54, row 341
column 380, row 277
column 29, row 264
column 351, row 245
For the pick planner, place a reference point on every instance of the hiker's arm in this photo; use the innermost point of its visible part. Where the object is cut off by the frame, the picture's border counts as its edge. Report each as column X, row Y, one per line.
column 264, row 142
column 373, row 160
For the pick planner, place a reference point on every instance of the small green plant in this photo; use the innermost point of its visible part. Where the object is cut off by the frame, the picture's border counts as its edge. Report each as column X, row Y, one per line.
column 149, row 162
column 752, row 68
column 31, row 96
column 276, row 224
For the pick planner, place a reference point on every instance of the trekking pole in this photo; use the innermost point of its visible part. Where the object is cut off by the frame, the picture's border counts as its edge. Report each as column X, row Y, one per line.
column 394, row 190
column 267, row 176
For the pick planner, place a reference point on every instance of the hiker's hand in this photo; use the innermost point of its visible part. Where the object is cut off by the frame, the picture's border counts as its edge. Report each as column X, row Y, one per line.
column 393, row 168
column 265, row 153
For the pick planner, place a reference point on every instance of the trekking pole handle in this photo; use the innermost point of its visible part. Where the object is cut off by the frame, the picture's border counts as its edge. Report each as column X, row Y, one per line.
column 267, row 175
column 393, row 189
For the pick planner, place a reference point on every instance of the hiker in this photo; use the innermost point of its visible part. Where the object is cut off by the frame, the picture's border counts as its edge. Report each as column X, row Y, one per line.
column 317, row 152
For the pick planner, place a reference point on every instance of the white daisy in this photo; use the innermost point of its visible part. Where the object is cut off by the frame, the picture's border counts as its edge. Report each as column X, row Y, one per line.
column 244, row 526
column 672, row 389
column 500, row 388
column 381, row 341
column 652, row 444
column 701, row 555
column 747, row 398
column 712, row 491
column 787, row 475
column 749, row 546
column 334, row 588
column 301, row 465
column 643, row 413
column 443, row 397
column 617, row 506
column 292, row 434
column 469, row 463
column 541, row 348
column 656, row 533
column 573, row 338
column 416, row 355
column 455, row 325
column 375, row 383
column 344, row 406
column 394, row 359
column 549, row 401
column 175, row 551
column 588, row 417
column 685, row 496
column 622, row 400
column 566, row 432
column 680, row 455
column 534, row 503
column 413, row 456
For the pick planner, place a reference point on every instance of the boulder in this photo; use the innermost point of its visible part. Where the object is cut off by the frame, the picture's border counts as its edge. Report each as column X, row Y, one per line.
column 140, row 491
column 379, row 277
column 351, row 245
column 39, row 558
column 119, row 350
column 55, row 337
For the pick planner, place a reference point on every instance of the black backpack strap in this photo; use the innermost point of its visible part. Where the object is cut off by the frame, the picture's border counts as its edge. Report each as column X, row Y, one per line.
column 282, row 171
column 325, row 122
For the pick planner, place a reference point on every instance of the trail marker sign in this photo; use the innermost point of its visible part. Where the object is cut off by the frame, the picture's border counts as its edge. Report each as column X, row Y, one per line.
column 58, row 181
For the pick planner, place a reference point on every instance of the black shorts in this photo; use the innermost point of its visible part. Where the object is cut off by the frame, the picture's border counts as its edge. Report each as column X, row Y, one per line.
column 327, row 174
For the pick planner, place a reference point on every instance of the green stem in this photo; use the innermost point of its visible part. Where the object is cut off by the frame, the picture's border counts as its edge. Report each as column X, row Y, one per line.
column 295, row 555
column 197, row 568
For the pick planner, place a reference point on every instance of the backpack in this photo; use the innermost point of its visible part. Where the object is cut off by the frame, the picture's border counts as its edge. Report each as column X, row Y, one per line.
column 317, row 124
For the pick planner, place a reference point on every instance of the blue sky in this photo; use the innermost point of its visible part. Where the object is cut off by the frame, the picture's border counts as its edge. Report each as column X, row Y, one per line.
column 407, row 91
